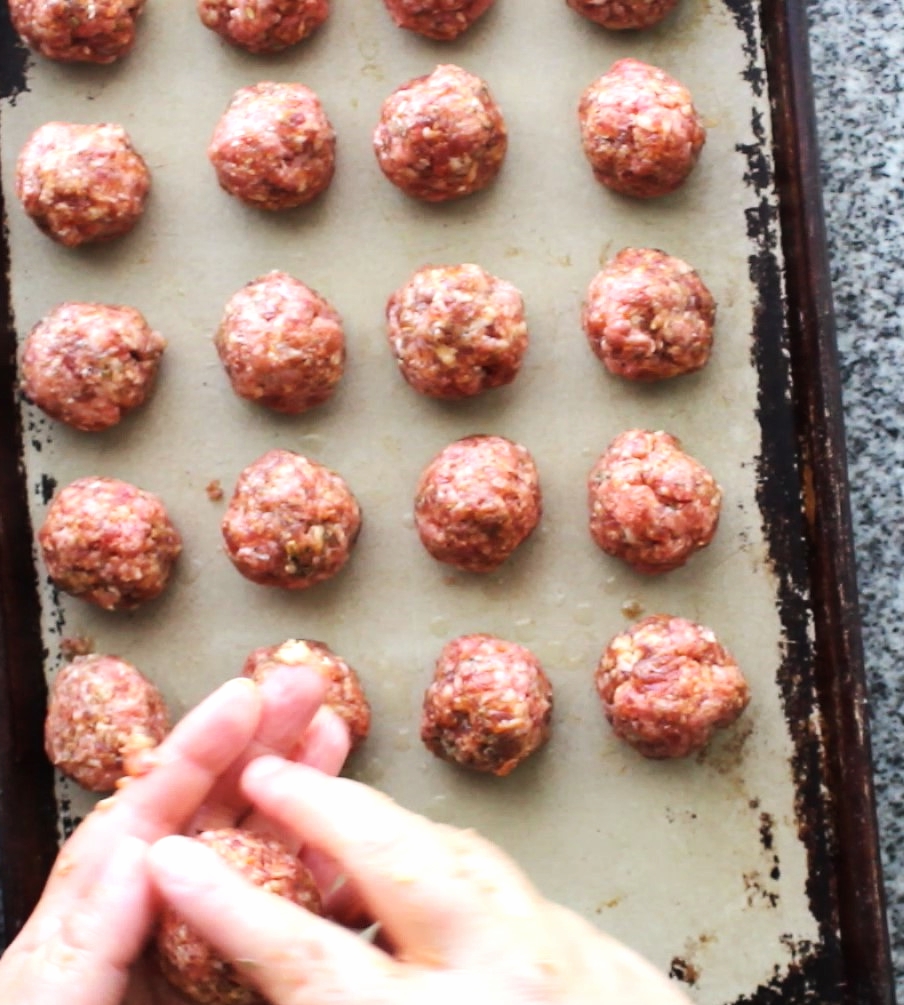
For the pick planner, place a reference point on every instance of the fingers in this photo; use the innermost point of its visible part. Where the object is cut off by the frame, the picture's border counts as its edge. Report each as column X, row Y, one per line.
column 443, row 896
column 292, row 956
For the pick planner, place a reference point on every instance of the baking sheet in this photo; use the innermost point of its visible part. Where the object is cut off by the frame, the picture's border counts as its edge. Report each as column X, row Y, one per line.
column 699, row 864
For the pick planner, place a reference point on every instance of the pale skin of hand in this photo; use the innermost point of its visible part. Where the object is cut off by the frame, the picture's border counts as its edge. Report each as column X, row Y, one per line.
column 460, row 922
column 83, row 943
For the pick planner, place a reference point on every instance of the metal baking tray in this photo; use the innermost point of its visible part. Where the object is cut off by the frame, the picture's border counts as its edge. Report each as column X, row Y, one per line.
column 749, row 873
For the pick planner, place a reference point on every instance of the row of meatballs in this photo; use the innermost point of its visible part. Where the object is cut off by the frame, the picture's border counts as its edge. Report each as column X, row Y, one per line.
column 103, row 31
column 292, row 523
column 440, row 137
column 454, row 331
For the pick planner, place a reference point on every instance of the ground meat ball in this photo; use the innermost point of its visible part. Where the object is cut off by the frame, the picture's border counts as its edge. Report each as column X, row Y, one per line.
column 455, row 331
column 477, row 501
column 618, row 15
column 77, row 31
column 344, row 694
column 282, row 344
column 82, row 183
column 649, row 316
column 667, row 685
column 109, row 542
column 441, row 136
column 190, row 963
column 89, row 364
column 101, row 713
column 291, row 522
column 640, row 130
column 274, row 147
column 650, row 503
column 442, row 20
column 489, row 705
column 262, row 26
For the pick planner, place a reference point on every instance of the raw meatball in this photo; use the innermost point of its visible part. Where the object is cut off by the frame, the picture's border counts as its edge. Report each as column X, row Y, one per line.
column 263, row 26
column 618, row 15
column 489, row 705
column 191, row 964
column 649, row 316
column 109, row 542
column 282, row 344
column 89, row 364
column 650, row 503
column 667, row 685
column 442, row 20
column 274, row 147
column 77, row 31
column 344, row 694
column 291, row 522
column 101, row 714
column 82, row 183
column 441, row 136
column 477, row 501
column 640, row 130
column 455, row 331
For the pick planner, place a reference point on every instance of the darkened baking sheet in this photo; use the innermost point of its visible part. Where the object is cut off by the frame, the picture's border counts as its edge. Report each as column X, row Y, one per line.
column 750, row 872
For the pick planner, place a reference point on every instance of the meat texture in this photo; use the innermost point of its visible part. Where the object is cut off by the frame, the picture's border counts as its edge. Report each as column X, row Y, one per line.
column 101, row 717
column 667, row 685
column 489, row 705
column 441, row 20
column 649, row 316
column 619, row 15
column 77, row 31
column 477, row 501
column 456, row 331
column 89, row 364
column 441, row 136
column 192, row 965
column 640, row 130
column 82, row 183
column 282, row 344
column 274, row 147
column 263, row 26
column 651, row 504
column 109, row 543
column 291, row 522
column 344, row 693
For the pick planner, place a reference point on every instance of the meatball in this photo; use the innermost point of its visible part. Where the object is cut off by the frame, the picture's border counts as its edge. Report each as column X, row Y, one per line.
column 89, row 364
column 190, row 963
column 263, row 26
column 476, row 501
column 102, row 713
column 291, row 522
column 650, row 503
column 455, row 331
column 441, row 136
column 618, row 15
column 442, row 20
column 648, row 316
column 82, row 183
column 640, row 130
column 77, row 31
column 344, row 694
column 274, row 147
column 109, row 543
column 488, row 706
column 667, row 685
column 282, row 344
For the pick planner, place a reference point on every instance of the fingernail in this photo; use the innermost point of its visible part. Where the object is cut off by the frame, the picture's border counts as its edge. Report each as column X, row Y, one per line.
column 264, row 767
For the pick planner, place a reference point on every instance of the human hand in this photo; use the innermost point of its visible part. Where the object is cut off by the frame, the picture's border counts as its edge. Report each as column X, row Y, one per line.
column 459, row 920
column 88, row 930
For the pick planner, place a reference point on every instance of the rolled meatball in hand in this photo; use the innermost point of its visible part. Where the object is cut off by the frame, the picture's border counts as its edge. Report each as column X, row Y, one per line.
column 442, row 136
column 619, row 15
column 667, row 685
column 489, row 705
column 77, row 31
column 441, row 20
column 477, row 501
column 651, row 504
column 263, row 26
